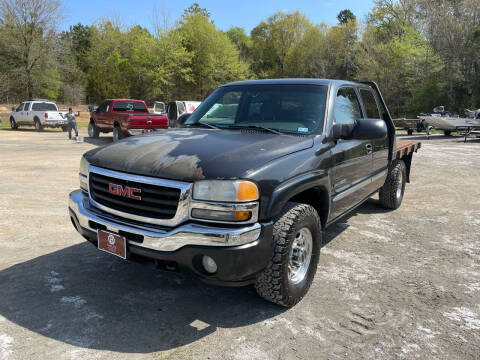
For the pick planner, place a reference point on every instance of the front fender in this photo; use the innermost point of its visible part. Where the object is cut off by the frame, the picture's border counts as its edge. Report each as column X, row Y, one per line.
column 285, row 191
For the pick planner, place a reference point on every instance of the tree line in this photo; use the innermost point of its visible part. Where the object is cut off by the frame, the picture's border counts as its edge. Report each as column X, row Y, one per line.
column 422, row 53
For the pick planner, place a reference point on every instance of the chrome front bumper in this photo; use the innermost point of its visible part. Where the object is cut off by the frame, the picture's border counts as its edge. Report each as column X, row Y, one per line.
column 155, row 237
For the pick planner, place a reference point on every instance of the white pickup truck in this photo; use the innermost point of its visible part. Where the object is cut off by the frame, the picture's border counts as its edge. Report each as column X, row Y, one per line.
column 38, row 113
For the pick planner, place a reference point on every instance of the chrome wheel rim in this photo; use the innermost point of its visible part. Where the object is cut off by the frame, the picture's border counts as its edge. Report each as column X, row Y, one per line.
column 90, row 130
column 399, row 188
column 300, row 256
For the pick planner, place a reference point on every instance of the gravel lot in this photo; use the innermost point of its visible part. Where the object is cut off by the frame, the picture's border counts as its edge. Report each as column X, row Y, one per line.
column 390, row 285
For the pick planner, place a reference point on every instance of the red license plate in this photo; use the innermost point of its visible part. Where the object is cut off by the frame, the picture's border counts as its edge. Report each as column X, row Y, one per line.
column 112, row 243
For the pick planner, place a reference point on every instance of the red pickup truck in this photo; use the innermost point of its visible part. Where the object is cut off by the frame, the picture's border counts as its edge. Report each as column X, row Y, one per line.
column 124, row 117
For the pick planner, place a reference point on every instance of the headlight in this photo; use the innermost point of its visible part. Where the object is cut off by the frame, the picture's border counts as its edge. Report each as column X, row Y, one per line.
column 83, row 174
column 225, row 190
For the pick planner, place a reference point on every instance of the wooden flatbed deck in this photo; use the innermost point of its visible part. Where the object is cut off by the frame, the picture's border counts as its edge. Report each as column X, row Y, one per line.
column 406, row 147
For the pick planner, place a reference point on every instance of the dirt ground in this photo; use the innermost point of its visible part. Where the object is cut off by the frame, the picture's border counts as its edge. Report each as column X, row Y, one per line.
column 390, row 285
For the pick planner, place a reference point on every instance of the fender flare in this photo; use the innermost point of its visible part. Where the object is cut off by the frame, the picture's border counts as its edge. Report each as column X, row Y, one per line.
column 318, row 179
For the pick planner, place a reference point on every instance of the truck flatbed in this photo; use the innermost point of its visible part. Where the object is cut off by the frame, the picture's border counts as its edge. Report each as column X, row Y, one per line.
column 406, row 147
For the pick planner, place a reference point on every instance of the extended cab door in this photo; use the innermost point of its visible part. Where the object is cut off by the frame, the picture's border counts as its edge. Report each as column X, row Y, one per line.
column 352, row 159
column 102, row 115
column 28, row 111
column 380, row 146
column 19, row 117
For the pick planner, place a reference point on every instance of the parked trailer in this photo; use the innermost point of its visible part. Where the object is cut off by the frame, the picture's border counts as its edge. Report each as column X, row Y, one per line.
column 469, row 129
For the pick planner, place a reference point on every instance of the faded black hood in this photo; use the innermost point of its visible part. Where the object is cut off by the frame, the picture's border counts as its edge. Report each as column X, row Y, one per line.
column 195, row 154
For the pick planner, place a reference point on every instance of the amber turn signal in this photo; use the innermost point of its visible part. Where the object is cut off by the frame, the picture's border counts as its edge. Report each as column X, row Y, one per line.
column 243, row 215
column 247, row 191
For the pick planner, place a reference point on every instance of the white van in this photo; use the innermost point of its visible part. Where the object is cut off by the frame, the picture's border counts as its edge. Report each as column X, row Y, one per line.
column 177, row 108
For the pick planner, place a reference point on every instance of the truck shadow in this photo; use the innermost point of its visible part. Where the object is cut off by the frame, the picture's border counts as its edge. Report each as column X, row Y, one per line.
column 371, row 206
column 100, row 141
column 32, row 129
column 86, row 298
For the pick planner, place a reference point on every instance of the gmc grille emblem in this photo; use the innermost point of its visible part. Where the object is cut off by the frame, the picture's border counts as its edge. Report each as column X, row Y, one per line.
column 126, row 192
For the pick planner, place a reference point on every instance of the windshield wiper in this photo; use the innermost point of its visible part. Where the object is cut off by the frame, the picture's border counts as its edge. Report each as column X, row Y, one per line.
column 254, row 127
column 210, row 126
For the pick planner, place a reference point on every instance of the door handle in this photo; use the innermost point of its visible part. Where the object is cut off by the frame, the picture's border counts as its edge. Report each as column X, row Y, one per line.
column 369, row 148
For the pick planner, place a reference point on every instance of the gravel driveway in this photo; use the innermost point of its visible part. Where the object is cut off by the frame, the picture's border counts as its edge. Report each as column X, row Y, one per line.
column 390, row 285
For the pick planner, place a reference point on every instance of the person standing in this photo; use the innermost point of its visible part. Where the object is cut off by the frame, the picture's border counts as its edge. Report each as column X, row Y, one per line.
column 71, row 122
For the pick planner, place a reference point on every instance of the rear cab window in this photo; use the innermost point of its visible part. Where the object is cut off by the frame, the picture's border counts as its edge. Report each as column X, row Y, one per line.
column 129, row 106
column 370, row 104
column 44, row 106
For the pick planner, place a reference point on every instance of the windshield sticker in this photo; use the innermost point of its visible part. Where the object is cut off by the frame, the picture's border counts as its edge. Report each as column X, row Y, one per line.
column 302, row 129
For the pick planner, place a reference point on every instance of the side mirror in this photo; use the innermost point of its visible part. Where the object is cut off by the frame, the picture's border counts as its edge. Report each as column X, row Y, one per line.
column 369, row 129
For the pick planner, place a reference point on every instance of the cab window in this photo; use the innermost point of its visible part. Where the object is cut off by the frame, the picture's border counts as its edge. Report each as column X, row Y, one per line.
column 20, row 107
column 370, row 104
column 347, row 107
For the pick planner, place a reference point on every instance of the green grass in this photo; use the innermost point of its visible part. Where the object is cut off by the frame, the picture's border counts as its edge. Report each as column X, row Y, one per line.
column 4, row 124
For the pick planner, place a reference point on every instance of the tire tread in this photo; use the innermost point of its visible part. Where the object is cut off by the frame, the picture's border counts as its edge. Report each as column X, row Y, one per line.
column 269, row 284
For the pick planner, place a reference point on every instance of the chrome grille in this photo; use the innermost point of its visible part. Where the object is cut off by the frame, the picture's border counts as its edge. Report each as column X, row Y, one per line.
column 162, row 201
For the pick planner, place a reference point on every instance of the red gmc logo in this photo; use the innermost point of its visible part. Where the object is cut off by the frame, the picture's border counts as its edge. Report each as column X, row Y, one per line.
column 126, row 192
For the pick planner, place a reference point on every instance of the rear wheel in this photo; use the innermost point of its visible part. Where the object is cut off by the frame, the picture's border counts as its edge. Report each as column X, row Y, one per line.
column 64, row 128
column 447, row 132
column 391, row 193
column 117, row 133
column 38, row 124
column 409, row 131
column 13, row 124
column 93, row 131
column 297, row 237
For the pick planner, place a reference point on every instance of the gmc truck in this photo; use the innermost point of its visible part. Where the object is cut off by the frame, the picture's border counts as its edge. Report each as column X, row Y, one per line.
column 241, row 196
column 124, row 117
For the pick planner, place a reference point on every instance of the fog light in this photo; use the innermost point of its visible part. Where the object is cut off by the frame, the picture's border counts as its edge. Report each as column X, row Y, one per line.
column 209, row 264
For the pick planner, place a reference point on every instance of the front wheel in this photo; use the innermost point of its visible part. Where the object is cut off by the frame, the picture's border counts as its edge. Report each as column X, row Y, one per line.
column 391, row 193
column 409, row 131
column 297, row 237
column 93, row 131
column 13, row 124
column 447, row 132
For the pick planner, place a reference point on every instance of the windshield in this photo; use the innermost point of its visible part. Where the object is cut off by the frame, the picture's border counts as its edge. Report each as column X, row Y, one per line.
column 44, row 107
column 130, row 106
column 286, row 108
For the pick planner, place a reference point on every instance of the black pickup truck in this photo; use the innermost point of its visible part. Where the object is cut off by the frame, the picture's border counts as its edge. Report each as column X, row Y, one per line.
column 241, row 194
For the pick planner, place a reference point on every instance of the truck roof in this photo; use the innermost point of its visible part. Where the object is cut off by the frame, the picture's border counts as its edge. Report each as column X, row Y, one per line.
column 293, row 82
column 132, row 100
